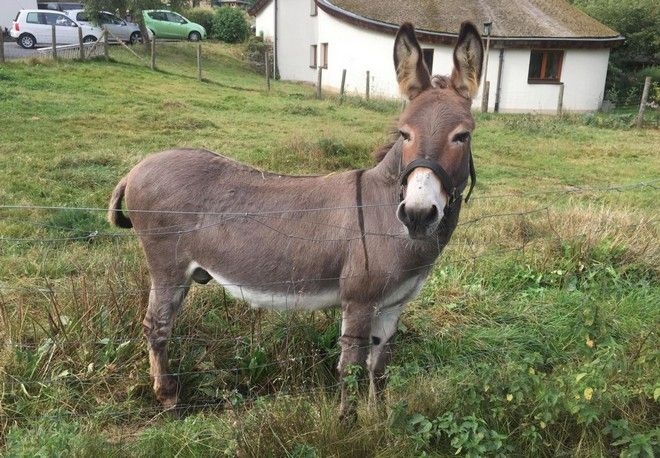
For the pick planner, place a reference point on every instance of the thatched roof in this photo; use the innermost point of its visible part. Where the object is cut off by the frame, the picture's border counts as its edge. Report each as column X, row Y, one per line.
column 515, row 22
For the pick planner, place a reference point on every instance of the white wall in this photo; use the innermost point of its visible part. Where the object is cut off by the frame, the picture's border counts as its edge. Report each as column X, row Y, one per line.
column 9, row 8
column 358, row 50
column 265, row 22
column 583, row 74
column 297, row 31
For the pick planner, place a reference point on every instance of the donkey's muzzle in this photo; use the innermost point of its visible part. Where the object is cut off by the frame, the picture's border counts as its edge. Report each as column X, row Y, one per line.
column 420, row 221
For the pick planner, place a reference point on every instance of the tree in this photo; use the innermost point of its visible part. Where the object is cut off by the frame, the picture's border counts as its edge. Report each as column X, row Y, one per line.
column 639, row 22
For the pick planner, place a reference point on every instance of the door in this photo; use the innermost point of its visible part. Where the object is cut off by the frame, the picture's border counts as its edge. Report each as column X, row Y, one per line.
column 41, row 23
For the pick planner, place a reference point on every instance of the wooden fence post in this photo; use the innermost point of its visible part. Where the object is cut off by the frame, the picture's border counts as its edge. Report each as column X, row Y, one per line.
column 319, row 78
column 81, row 45
column 267, row 65
column 199, row 62
column 343, row 85
column 560, row 99
column 484, row 97
column 54, row 40
column 153, row 53
column 106, row 52
column 2, row 47
column 642, row 105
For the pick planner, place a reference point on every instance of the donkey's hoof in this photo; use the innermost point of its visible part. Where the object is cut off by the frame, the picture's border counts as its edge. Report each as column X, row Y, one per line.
column 348, row 416
column 167, row 393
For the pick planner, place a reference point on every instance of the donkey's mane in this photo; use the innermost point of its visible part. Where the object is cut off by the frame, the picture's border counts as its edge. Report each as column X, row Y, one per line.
column 381, row 152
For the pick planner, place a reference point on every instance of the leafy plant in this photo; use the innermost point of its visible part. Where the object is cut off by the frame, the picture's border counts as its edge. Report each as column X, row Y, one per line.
column 230, row 25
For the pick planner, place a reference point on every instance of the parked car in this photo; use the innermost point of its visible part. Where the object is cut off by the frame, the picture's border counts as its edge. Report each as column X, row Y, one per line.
column 124, row 31
column 168, row 24
column 34, row 27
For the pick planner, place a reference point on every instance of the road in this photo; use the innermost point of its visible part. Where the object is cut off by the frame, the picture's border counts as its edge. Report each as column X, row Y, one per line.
column 13, row 51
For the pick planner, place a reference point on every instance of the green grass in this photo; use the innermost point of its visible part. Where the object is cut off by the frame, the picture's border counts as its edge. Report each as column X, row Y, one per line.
column 536, row 333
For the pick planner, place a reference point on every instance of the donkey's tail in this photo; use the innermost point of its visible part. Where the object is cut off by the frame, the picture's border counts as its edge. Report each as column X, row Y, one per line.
column 115, row 215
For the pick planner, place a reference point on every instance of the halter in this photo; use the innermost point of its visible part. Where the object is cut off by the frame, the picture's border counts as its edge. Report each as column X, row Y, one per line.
column 455, row 193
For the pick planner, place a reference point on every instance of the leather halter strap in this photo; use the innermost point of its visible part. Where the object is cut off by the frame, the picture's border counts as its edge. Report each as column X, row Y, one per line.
column 454, row 192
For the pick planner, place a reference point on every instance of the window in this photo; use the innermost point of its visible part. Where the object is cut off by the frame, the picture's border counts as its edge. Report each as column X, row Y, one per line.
column 324, row 55
column 173, row 17
column 428, row 58
column 312, row 56
column 313, row 11
column 545, row 66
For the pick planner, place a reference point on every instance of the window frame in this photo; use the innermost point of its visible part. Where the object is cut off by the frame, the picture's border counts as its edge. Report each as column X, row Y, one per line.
column 545, row 54
column 428, row 54
column 324, row 56
column 313, row 56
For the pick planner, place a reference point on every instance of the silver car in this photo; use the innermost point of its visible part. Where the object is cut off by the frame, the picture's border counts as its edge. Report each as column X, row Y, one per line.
column 117, row 27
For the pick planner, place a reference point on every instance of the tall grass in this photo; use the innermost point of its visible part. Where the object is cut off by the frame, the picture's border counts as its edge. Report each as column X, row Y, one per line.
column 536, row 333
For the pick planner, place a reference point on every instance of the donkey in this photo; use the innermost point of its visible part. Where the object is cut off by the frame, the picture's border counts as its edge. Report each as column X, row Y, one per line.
column 364, row 240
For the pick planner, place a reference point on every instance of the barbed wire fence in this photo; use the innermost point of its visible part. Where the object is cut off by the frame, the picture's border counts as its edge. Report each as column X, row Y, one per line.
column 46, row 343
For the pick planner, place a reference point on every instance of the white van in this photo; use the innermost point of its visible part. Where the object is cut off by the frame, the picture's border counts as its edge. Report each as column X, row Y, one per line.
column 35, row 27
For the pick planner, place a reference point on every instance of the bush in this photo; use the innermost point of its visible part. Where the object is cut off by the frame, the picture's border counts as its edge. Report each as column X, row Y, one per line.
column 230, row 25
column 256, row 55
column 202, row 16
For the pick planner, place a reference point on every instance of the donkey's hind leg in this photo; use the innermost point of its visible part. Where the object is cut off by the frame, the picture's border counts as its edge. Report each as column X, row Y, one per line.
column 165, row 299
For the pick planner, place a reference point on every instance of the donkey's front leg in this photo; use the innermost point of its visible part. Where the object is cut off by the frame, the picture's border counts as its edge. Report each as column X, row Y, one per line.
column 354, row 341
column 164, row 303
column 383, row 326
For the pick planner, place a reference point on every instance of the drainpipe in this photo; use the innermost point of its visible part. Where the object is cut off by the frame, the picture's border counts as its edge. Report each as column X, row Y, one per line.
column 276, row 71
column 499, row 81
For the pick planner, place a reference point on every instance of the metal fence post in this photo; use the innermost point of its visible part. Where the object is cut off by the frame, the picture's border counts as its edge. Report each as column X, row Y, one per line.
column 368, row 84
column 319, row 78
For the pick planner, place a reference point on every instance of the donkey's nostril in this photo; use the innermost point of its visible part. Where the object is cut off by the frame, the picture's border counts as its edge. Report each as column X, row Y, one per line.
column 433, row 214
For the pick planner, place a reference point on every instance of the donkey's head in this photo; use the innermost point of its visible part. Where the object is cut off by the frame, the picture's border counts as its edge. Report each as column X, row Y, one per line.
column 435, row 128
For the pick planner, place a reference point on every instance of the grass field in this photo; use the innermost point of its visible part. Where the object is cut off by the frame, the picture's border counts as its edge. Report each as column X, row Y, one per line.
column 536, row 334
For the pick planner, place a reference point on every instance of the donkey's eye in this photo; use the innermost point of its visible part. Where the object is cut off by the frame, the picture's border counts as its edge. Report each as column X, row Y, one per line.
column 462, row 137
column 405, row 135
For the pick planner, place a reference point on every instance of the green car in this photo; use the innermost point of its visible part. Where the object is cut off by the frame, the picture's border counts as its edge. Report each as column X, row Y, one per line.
column 168, row 24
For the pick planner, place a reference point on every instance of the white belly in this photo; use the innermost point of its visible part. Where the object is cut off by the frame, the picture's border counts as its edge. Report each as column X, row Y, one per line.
column 297, row 299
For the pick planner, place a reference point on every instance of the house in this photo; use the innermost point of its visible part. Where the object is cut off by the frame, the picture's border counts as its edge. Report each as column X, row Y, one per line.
column 542, row 54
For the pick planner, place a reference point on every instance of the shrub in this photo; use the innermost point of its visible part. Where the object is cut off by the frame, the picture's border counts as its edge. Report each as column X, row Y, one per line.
column 230, row 25
column 202, row 16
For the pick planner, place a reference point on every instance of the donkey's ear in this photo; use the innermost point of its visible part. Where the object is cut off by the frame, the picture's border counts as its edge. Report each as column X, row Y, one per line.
column 468, row 61
column 411, row 71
